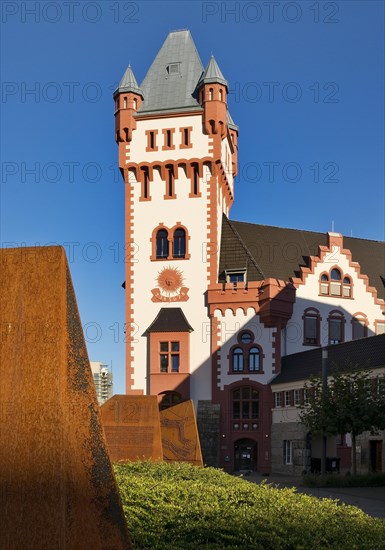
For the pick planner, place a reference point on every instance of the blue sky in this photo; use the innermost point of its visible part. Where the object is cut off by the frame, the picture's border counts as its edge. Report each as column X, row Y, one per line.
column 306, row 86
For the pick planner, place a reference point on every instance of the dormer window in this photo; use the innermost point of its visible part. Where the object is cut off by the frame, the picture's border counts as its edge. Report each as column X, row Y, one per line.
column 235, row 276
column 173, row 68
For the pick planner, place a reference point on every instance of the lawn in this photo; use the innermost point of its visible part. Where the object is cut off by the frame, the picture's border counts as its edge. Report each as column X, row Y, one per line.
column 181, row 507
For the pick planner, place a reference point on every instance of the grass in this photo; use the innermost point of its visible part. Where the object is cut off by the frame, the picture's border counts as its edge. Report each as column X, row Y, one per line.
column 181, row 507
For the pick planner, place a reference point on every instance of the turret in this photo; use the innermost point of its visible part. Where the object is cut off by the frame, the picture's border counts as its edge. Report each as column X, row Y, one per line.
column 212, row 89
column 128, row 98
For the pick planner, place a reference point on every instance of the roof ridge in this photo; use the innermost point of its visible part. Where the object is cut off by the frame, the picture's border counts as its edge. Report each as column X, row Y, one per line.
column 244, row 246
column 306, row 231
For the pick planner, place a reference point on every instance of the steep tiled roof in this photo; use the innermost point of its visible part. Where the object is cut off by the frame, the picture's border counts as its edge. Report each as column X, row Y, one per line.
column 279, row 252
column 170, row 319
column 165, row 90
column 365, row 352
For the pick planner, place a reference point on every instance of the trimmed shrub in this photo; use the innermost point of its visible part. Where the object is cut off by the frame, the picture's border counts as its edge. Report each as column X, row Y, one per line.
column 181, row 507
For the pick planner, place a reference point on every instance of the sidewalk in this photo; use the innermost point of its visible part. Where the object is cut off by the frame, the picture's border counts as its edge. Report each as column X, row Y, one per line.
column 370, row 499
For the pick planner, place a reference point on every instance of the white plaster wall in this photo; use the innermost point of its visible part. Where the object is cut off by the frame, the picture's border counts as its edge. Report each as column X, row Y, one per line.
column 190, row 212
column 308, row 296
column 230, row 326
column 200, row 141
column 226, row 161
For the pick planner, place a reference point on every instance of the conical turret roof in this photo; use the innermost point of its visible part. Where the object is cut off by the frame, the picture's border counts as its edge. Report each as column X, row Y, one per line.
column 128, row 83
column 212, row 74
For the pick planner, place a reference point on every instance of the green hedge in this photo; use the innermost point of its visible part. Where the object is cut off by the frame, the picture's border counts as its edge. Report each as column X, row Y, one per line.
column 181, row 507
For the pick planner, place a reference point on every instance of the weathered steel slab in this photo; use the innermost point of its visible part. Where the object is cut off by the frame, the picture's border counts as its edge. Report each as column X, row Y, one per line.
column 180, row 439
column 132, row 427
column 57, row 488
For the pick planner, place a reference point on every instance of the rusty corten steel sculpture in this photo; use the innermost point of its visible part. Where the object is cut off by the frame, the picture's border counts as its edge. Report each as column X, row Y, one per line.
column 132, row 428
column 57, row 487
column 135, row 430
column 180, row 439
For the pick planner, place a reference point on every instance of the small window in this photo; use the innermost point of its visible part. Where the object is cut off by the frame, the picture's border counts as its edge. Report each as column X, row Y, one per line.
column 246, row 337
column 161, row 244
column 311, row 327
column 246, row 356
column 254, row 360
column 211, row 94
column 287, row 452
column 125, row 103
column 169, row 356
column 146, row 180
column 173, row 68
column 235, row 276
column 179, row 244
column 336, row 328
column 380, row 327
column 170, row 184
column 347, row 287
column 195, row 180
column 238, row 360
column 297, row 398
column 245, row 404
column 287, row 398
column 278, row 399
column 359, row 328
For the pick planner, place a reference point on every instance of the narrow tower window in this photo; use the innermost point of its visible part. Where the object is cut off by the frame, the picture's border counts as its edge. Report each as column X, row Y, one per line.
column 179, row 244
column 161, row 244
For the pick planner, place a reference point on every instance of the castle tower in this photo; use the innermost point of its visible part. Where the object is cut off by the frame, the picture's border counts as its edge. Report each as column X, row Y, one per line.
column 178, row 156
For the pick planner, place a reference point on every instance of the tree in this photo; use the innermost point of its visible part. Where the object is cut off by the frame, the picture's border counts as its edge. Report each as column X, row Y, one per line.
column 353, row 403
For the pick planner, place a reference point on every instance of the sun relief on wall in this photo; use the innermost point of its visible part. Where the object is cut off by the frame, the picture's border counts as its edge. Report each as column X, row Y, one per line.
column 170, row 286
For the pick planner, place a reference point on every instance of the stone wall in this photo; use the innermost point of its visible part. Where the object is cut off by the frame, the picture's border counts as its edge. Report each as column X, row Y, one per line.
column 296, row 433
column 208, row 420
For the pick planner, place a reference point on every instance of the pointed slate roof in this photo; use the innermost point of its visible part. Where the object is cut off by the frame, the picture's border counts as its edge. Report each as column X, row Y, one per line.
column 279, row 252
column 171, row 81
column 212, row 74
column 128, row 83
column 170, row 319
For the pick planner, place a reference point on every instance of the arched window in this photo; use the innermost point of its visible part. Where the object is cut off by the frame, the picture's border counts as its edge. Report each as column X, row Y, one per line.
column 161, row 244
column 335, row 284
column 245, row 404
column 169, row 399
column 221, row 95
column 170, row 243
column 359, row 326
column 125, row 103
column 246, row 356
column 135, row 102
column 254, row 359
column 311, row 327
column 238, row 360
column 336, row 327
column 179, row 243
column 347, row 287
column 211, row 94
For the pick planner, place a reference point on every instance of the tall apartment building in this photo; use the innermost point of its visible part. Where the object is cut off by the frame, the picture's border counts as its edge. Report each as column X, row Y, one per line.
column 103, row 380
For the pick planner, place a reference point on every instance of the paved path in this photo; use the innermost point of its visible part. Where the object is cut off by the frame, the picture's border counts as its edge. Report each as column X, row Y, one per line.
column 370, row 499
